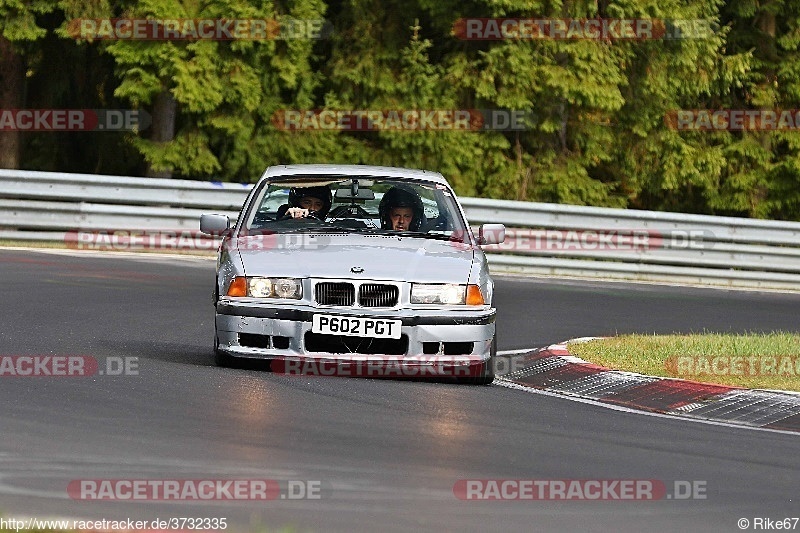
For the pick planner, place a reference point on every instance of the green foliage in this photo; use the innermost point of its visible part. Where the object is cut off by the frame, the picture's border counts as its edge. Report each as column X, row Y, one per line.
column 18, row 19
column 596, row 133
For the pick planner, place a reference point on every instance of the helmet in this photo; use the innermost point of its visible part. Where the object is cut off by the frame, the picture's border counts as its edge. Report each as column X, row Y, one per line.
column 322, row 193
column 401, row 197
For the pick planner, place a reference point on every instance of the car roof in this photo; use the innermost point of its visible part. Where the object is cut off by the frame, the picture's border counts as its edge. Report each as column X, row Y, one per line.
column 354, row 170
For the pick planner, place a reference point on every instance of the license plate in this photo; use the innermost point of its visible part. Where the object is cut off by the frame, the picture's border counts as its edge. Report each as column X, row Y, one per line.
column 356, row 326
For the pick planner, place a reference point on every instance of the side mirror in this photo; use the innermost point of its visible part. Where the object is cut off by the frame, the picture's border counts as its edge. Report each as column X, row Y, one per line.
column 214, row 224
column 491, row 234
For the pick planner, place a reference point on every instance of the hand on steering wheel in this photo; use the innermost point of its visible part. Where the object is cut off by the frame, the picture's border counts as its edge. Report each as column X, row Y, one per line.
column 299, row 212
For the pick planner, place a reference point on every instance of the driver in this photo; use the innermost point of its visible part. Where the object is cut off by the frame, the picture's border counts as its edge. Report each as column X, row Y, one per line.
column 306, row 200
column 401, row 210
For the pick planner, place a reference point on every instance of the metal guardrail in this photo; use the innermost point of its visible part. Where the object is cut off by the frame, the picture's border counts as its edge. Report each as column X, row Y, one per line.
column 542, row 239
column 121, row 190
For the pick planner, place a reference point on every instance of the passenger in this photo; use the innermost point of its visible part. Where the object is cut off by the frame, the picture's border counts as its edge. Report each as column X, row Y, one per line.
column 307, row 200
column 401, row 210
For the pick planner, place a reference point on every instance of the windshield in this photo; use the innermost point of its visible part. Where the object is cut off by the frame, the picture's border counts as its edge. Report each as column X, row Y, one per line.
column 356, row 204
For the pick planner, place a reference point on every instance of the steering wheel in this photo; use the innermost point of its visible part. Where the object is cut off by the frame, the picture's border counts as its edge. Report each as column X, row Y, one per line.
column 311, row 214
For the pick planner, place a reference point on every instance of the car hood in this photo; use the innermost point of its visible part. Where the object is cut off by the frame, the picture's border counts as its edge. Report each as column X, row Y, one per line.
column 382, row 257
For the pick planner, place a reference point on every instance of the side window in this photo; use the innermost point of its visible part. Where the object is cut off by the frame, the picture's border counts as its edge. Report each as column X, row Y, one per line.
column 429, row 205
column 435, row 208
column 268, row 210
column 273, row 200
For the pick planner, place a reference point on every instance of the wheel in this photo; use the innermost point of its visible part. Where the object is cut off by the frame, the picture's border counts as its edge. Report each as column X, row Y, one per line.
column 483, row 373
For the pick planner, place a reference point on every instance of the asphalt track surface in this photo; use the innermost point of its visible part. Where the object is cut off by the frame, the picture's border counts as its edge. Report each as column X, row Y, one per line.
column 388, row 453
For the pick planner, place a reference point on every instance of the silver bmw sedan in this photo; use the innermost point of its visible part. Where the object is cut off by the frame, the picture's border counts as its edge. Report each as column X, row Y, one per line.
column 355, row 270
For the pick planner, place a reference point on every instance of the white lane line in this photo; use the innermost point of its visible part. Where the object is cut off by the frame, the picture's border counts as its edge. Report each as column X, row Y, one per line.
column 515, row 352
column 155, row 256
column 531, row 277
column 566, row 396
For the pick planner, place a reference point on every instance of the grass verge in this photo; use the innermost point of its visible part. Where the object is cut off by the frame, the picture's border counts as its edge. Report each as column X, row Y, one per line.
column 756, row 361
column 6, row 243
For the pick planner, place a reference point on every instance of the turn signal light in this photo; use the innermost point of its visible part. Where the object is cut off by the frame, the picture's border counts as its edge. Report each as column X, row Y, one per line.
column 474, row 296
column 238, row 286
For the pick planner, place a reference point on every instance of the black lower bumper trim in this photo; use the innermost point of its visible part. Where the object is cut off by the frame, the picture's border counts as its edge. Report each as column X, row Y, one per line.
column 297, row 315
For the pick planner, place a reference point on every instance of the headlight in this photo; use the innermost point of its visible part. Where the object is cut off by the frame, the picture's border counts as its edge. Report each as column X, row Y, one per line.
column 258, row 287
column 444, row 294
column 287, row 288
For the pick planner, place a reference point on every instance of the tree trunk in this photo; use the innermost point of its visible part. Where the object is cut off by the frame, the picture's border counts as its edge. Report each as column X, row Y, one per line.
column 766, row 23
column 163, row 126
column 12, row 83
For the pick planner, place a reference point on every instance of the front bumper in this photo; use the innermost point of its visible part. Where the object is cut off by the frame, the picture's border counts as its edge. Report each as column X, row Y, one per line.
column 471, row 330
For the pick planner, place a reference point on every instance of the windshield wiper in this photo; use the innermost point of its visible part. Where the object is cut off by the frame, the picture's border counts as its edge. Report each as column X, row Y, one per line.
column 424, row 235
column 443, row 237
column 371, row 231
column 318, row 229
